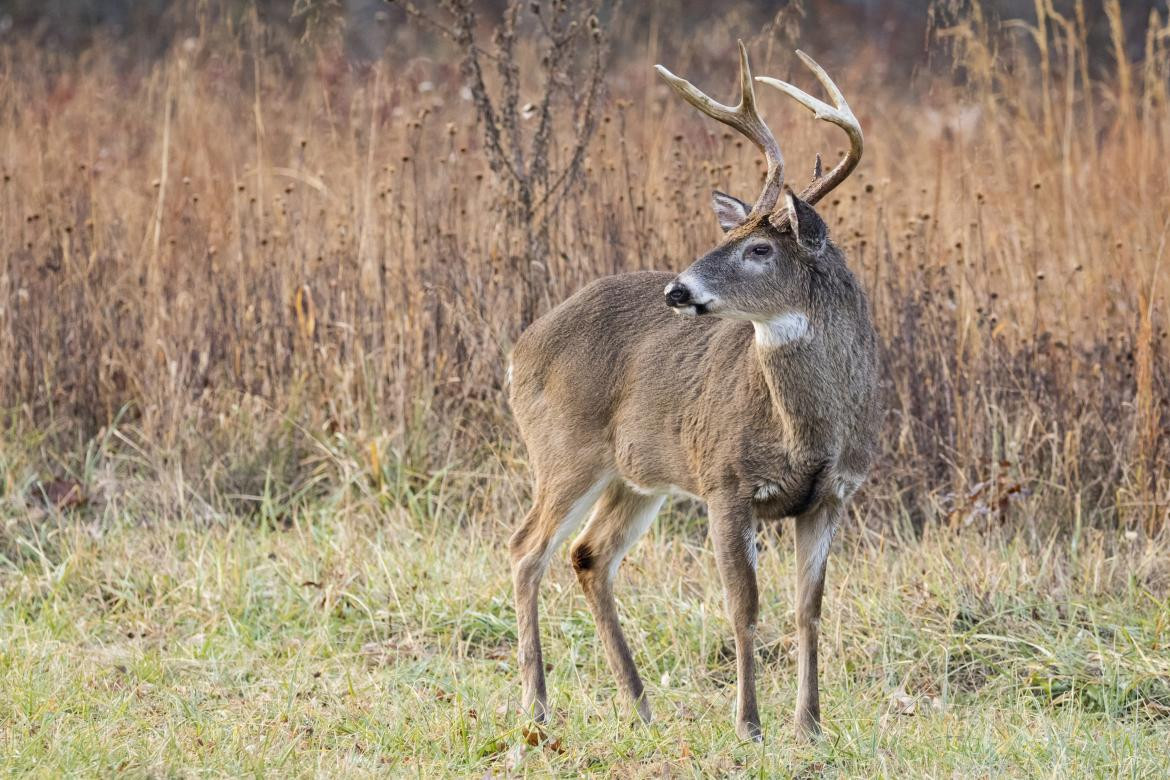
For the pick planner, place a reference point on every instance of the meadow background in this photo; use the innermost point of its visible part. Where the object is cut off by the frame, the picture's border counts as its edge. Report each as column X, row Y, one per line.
column 260, row 269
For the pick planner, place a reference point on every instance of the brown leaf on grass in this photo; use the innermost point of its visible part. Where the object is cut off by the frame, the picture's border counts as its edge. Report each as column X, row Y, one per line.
column 62, row 493
column 902, row 703
column 537, row 736
column 493, row 747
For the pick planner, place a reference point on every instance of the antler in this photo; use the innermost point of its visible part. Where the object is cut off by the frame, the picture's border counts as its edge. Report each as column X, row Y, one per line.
column 745, row 118
column 840, row 115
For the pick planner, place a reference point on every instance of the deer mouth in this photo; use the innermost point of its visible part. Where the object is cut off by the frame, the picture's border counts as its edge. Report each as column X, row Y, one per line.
column 690, row 309
column 688, row 299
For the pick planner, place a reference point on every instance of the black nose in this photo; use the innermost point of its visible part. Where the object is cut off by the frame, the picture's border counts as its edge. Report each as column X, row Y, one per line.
column 677, row 295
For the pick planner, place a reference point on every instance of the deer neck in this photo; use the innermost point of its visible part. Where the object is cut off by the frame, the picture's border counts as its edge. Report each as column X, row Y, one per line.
column 790, row 352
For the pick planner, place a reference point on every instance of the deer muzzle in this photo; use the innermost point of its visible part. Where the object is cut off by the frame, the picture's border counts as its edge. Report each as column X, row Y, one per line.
column 684, row 300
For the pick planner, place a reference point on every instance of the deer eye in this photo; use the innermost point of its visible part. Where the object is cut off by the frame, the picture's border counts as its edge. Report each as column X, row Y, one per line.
column 761, row 250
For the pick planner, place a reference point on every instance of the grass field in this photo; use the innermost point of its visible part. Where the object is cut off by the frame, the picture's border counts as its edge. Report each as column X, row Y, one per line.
column 364, row 635
column 257, row 470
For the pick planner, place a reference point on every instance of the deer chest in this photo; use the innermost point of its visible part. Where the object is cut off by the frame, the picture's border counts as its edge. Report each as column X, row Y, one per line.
column 789, row 495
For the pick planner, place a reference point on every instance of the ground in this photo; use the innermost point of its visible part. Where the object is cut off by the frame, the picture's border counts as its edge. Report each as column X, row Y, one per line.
column 361, row 638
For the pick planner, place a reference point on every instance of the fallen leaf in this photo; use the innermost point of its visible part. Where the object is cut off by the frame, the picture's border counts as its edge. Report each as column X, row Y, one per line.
column 901, row 703
column 492, row 748
column 62, row 493
column 537, row 736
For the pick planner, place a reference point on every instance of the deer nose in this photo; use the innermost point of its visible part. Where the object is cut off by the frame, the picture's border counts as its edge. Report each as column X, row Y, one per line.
column 677, row 295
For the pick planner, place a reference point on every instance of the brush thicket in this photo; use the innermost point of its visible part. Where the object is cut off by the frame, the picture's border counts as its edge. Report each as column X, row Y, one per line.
column 267, row 269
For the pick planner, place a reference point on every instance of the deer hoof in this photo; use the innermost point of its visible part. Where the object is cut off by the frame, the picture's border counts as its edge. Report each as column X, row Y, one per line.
column 807, row 729
column 643, row 705
column 748, row 731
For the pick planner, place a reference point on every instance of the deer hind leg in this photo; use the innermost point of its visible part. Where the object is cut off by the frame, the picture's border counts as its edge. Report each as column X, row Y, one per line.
column 561, row 504
column 814, row 534
column 620, row 519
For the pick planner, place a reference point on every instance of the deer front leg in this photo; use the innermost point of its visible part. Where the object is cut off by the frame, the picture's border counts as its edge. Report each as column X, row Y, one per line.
column 814, row 534
column 734, row 535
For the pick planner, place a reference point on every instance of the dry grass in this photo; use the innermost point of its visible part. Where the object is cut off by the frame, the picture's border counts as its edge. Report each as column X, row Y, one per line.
column 252, row 302
column 231, row 231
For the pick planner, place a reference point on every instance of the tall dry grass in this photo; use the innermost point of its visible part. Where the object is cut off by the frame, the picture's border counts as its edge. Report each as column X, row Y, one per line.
column 246, row 255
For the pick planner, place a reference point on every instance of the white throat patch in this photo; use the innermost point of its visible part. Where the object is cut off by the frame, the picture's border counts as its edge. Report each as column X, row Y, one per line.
column 781, row 330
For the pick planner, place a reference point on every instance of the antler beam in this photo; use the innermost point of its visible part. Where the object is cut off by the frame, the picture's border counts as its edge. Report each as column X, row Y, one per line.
column 839, row 114
column 745, row 118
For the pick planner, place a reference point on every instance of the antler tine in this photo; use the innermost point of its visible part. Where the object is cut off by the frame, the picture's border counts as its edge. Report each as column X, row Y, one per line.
column 840, row 115
column 745, row 118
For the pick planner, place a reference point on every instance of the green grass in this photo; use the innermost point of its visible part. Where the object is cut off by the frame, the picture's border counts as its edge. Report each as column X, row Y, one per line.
column 360, row 637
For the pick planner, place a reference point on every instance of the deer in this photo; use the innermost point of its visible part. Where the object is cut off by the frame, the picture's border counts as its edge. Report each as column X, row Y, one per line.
column 747, row 382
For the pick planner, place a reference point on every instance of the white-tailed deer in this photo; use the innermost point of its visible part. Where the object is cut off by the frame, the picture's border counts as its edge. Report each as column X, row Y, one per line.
column 764, row 406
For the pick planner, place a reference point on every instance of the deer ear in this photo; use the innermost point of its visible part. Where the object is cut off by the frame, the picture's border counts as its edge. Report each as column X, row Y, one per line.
column 731, row 212
column 807, row 226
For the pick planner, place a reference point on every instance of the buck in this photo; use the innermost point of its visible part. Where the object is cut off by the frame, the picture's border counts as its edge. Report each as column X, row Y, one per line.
column 748, row 382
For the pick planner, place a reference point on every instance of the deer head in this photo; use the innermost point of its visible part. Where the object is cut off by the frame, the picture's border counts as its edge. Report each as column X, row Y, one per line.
column 760, row 270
